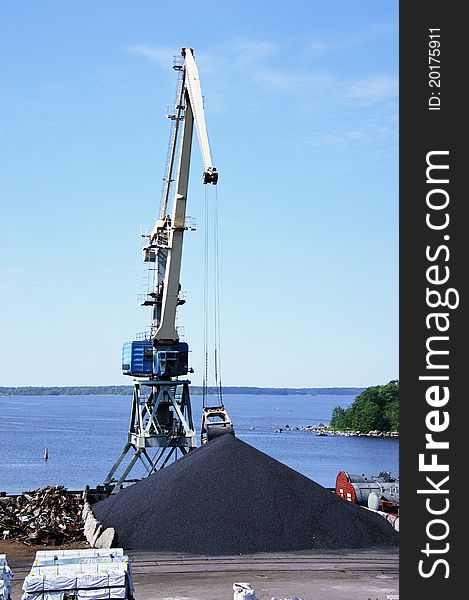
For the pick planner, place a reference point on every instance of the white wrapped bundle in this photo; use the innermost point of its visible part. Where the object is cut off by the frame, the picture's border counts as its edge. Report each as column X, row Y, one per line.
column 103, row 585
column 117, row 579
column 60, row 582
column 78, row 564
column 6, row 576
column 118, row 593
column 101, row 594
column 56, row 570
column 47, row 595
column 4, row 590
column 243, row 591
column 33, row 584
column 92, row 580
column 119, row 575
column 86, row 552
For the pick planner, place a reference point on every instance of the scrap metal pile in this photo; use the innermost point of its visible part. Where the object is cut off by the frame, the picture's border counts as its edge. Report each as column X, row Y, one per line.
column 47, row 515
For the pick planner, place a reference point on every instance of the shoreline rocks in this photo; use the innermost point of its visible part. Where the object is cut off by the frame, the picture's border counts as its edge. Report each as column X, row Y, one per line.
column 323, row 430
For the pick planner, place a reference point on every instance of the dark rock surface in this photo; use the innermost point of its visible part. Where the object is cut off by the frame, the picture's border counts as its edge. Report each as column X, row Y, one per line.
column 229, row 498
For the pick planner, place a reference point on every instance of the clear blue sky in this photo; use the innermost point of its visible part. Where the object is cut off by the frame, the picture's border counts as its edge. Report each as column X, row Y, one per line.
column 301, row 103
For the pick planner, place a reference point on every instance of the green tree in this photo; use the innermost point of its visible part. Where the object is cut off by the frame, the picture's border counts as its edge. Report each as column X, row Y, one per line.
column 376, row 408
column 337, row 417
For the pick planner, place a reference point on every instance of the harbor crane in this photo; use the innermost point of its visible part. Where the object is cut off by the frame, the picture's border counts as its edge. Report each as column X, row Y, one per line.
column 161, row 422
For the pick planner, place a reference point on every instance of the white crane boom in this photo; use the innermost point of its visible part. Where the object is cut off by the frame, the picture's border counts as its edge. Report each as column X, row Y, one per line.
column 170, row 228
column 192, row 83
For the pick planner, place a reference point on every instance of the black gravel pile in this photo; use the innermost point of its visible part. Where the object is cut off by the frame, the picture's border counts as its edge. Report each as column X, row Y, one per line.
column 229, row 498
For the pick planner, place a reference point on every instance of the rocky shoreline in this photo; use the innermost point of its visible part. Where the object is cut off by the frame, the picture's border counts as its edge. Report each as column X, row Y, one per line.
column 323, row 430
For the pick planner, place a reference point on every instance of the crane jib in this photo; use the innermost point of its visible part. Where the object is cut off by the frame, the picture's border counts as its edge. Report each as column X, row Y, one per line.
column 194, row 92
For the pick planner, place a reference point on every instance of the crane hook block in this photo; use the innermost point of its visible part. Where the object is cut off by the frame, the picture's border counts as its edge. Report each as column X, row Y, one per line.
column 211, row 176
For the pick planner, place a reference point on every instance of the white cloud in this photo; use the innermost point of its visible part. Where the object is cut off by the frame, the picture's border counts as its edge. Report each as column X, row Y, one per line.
column 248, row 52
column 235, row 55
column 239, row 69
column 379, row 130
column 294, row 83
column 376, row 31
column 374, row 88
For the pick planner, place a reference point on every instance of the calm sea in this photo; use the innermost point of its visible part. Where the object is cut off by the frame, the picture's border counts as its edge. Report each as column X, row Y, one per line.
column 85, row 434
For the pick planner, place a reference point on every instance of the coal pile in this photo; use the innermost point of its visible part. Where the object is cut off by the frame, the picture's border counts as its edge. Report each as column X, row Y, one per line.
column 228, row 498
column 47, row 515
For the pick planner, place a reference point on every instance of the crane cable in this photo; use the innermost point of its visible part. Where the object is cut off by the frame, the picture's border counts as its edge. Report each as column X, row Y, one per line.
column 217, row 336
column 211, row 263
column 206, row 281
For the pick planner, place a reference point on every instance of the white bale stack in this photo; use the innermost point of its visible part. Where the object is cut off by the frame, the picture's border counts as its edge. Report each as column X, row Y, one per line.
column 5, row 578
column 83, row 574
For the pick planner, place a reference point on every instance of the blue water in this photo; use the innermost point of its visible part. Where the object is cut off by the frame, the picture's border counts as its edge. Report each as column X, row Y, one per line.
column 85, row 434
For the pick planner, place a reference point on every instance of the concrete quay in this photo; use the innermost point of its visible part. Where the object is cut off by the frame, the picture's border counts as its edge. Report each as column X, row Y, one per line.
column 311, row 575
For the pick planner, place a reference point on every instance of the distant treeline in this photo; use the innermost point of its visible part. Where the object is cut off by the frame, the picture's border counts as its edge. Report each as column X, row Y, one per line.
column 126, row 390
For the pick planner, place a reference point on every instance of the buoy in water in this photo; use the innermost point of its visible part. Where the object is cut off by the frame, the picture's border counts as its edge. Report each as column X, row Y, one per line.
column 46, row 454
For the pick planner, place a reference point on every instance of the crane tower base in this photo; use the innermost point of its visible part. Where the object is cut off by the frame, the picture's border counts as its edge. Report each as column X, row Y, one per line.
column 161, row 426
